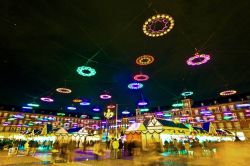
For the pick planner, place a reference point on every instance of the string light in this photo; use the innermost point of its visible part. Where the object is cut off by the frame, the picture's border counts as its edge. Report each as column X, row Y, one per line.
column 63, row 90
column 158, row 25
column 228, row 92
column 145, row 60
column 86, row 71
column 141, row 77
column 198, row 59
column 47, row 99
column 135, row 85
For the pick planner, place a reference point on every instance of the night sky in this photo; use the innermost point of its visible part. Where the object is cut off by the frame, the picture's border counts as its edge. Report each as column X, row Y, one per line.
column 43, row 42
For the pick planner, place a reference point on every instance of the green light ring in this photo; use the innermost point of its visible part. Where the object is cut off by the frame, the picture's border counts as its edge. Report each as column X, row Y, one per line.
column 188, row 93
column 91, row 71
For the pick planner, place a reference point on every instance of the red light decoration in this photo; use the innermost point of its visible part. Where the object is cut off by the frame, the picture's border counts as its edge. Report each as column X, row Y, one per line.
column 111, row 106
column 198, row 59
column 228, row 92
column 145, row 60
column 141, row 77
column 63, row 90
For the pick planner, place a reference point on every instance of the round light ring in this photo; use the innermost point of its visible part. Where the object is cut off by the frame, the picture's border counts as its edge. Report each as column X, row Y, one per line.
column 125, row 112
column 71, row 108
column 63, row 90
column 111, row 106
column 188, row 93
column 47, row 99
column 158, row 25
column 198, row 59
column 228, row 92
column 141, row 77
column 86, row 71
column 85, row 103
column 135, row 85
column 105, row 96
column 142, row 103
column 96, row 109
column 76, row 100
column 145, row 60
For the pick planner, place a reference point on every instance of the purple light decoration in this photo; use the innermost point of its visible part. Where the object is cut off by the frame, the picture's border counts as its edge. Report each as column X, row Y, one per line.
column 96, row 109
column 135, row 85
column 205, row 112
column 47, row 99
column 85, row 103
column 198, row 59
column 132, row 121
column 243, row 105
column 105, row 96
column 142, row 103
column 227, row 113
column 103, row 122
column 159, row 114
column 18, row 116
column 247, row 114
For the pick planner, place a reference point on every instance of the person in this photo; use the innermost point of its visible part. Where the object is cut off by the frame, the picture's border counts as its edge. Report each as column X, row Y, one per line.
column 55, row 151
column 120, row 149
column 70, row 150
column 34, row 147
column 115, row 145
column 96, row 150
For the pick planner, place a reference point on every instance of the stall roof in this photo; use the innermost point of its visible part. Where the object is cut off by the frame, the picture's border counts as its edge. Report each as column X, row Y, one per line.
column 172, row 124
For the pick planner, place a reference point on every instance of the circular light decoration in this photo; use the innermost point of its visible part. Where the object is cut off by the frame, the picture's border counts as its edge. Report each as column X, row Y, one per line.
column 71, row 108
column 105, row 96
column 63, row 90
column 111, row 106
column 144, row 60
column 228, row 92
column 142, row 103
column 126, row 112
column 158, row 25
column 85, row 103
column 86, row 71
column 33, row 105
column 187, row 93
column 141, row 77
column 47, row 99
column 27, row 107
column 76, row 100
column 96, row 109
column 198, row 59
column 135, row 85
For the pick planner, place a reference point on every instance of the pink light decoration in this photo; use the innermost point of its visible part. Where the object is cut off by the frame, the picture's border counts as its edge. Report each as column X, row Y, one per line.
column 47, row 99
column 198, row 59
column 141, row 77
column 105, row 96
column 111, row 106
column 247, row 110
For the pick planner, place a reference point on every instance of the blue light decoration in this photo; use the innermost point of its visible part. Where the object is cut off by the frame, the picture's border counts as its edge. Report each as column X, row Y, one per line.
column 71, row 108
column 187, row 93
column 33, row 105
column 135, row 85
column 86, row 71
column 27, row 107
column 144, row 109
column 96, row 109
column 125, row 112
column 142, row 103
column 243, row 105
column 85, row 103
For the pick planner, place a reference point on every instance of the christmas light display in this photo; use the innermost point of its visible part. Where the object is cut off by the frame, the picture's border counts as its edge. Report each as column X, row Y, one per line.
column 86, row 71
column 187, row 93
column 228, row 92
column 198, row 59
column 158, row 25
column 145, row 60
column 142, row 103
column 135, row 85
column 33, row 105
column 76, row 100
column 141, row 77
column 71, row 108
column 63, row 90
column 126, row 112
column 47, row 99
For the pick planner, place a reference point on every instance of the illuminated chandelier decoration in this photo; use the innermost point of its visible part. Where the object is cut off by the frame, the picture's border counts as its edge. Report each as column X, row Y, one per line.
column 86, row 71
column 187, row 93
column 141, row 77
column 228, row 92
column 77, row 100
column 63, row 90
column 47, row 99
column 135, row 85
column 108, row 113
column 145, row 60
column 158, row 25
column 198, row 59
